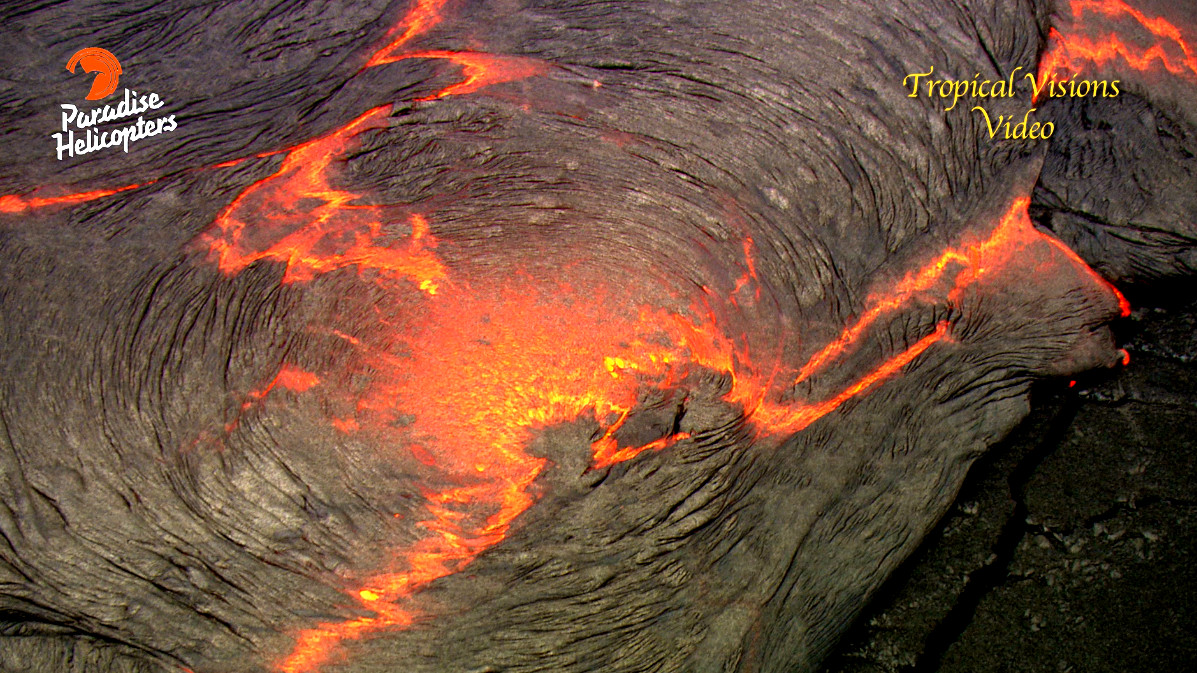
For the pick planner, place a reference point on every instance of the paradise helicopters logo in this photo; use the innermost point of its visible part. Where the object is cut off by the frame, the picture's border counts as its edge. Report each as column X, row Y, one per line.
column 91, row 136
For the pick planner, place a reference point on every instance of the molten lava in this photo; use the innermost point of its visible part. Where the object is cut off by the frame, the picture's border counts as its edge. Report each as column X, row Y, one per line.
column 459, row 373
column 1141, row 41
column 297, row 218
column 965, row 264
column 15, row 203
column 475, row 370
column 748, row 278
column 422, row 16
column 481, row 70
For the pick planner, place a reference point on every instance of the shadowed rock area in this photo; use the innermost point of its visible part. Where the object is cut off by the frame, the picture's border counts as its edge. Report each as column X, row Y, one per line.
column 1072, row 545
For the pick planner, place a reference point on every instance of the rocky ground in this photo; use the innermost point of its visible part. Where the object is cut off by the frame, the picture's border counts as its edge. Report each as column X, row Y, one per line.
column 1073, row 545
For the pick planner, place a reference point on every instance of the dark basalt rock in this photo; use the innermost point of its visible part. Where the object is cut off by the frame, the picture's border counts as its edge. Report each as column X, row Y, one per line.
column 1073, row 545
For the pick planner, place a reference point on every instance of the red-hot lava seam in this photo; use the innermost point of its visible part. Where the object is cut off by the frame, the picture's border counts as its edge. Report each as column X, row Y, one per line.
column 302, row 218
column 479, row 70
column 1081, row 43
column 966, row 264
column 423, row 15
column 289, row 377
column 500, row 362
column 16, row 203
column 749, row 276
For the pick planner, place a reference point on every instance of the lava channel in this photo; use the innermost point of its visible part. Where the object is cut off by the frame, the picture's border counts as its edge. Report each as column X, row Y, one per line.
column 1089, row 43
column 483, row 366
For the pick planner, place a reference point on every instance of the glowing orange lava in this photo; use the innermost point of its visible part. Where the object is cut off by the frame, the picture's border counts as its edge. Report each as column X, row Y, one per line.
column 424, row 14
column 295, row 216
column 1082, row 44
column 1124, row 307
column 965, row 265
column 483, row 370
column 474, row 368
column 481, row 70
column 490, row 367
column 487, row 365
column 289, row 377
column 15, row 203
column 783, row 419
column 749, row 275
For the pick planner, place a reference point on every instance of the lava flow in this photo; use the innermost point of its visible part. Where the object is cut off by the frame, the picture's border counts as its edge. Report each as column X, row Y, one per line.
column 423, row 15
column 479, row 70
column 1088, row 41
column 460, row 373
column 478, row 367
column 16, row 203
column 333, row 233
column 966, row 264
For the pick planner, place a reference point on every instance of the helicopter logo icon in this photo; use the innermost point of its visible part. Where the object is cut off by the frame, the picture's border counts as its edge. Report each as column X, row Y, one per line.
column 101, row 62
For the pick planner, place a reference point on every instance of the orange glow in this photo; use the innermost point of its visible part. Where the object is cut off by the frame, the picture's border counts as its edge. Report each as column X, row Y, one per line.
column 467, row 385
column 457, row 375
column 296, row 217
column 289, row 377
column 484, row 369
column 749, row 276
column 423, row 15
column 481, row 70
column 1124, row 307
column 1072, row 48
column 779, row 419
column 969, row 261
column 296, row 379
column 15, row 203
column 607, row 451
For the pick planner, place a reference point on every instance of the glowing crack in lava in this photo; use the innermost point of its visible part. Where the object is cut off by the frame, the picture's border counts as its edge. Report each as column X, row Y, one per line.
column 332, row 234
column 476, row 369
column 424, row 14
column 16, row 203
column 479, row 70
column 482, row 366
column 1088, row 41
column 966, row 264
